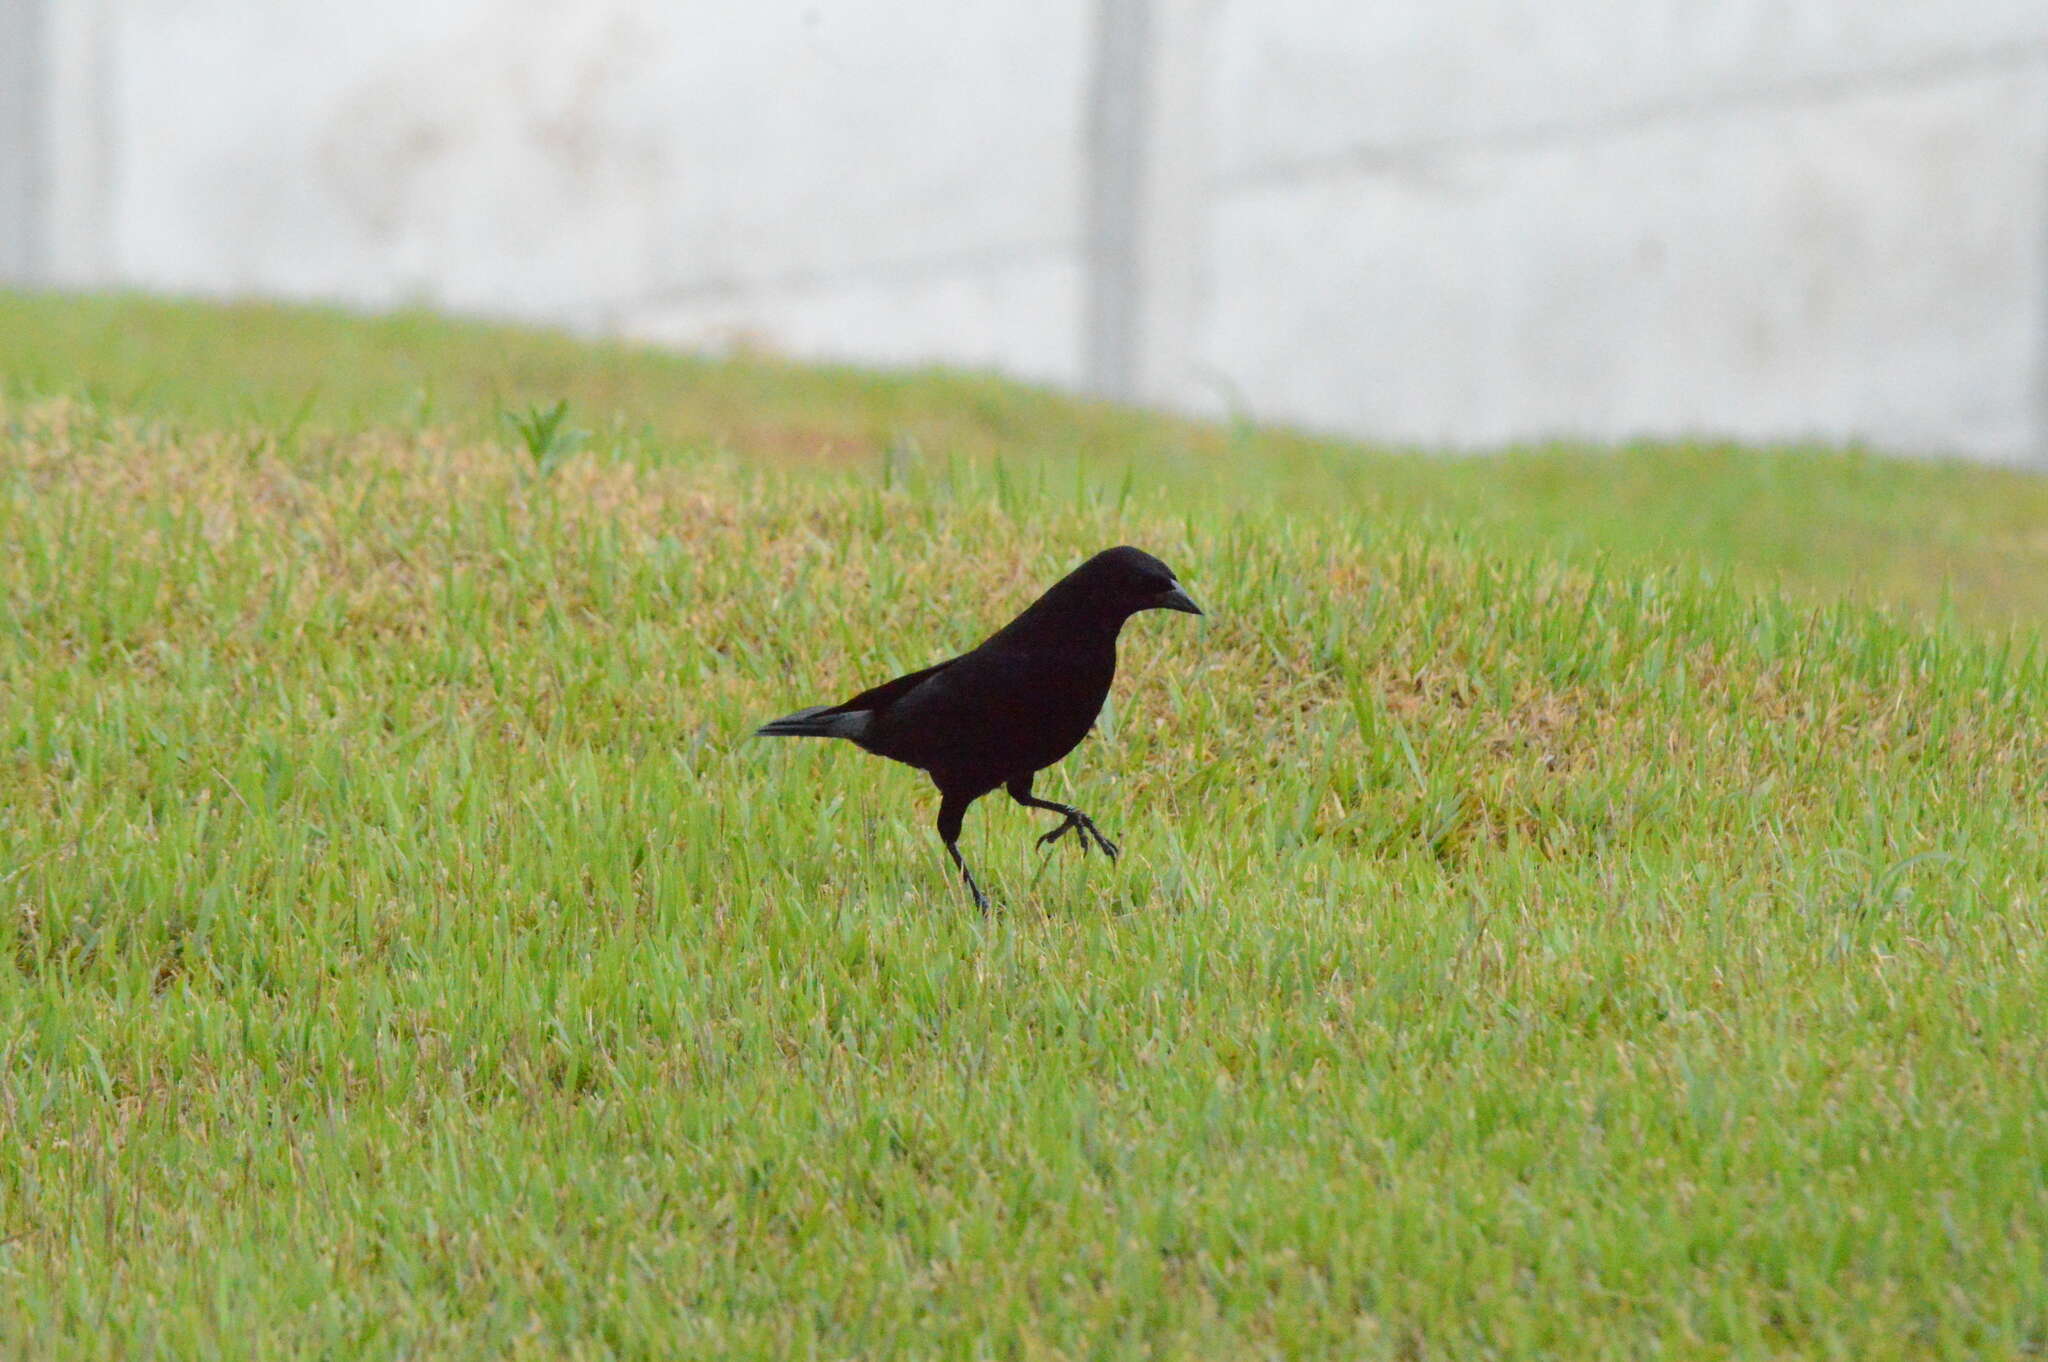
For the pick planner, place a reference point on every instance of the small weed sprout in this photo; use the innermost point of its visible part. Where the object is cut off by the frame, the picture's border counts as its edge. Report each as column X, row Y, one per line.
column 546, row 437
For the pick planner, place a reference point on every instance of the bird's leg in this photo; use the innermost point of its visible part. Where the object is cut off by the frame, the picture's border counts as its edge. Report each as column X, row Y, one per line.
column 951, row 810
column 1076, row 821
column 980, row 899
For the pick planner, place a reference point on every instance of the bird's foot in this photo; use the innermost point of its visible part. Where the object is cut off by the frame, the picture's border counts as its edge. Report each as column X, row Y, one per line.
column 980, row 899
column 1083, row 824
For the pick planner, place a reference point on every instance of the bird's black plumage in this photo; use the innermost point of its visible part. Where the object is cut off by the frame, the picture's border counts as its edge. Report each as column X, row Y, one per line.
column 1014, row 705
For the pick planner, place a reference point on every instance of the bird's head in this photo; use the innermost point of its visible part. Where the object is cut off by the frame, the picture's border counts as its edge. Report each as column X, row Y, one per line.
column 1122, row 581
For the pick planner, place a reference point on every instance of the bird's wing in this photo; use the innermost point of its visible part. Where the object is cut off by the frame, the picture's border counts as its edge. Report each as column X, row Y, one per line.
column 1000, row 709
column 889, row 692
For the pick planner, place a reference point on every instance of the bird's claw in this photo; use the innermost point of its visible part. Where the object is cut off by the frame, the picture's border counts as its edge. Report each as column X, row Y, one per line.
column 1082, row 823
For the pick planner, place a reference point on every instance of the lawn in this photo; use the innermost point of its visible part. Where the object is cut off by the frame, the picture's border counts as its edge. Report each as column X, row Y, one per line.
column 1582, row 904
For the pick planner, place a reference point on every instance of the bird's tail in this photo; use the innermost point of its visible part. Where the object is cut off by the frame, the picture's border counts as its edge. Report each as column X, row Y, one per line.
column 819, row 721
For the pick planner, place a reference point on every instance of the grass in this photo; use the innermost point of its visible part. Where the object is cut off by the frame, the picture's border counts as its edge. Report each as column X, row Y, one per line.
column 1820, row 525
column 1523, row 947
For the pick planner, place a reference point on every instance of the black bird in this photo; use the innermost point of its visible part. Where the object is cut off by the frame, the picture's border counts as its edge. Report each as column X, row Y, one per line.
column 1012, row 707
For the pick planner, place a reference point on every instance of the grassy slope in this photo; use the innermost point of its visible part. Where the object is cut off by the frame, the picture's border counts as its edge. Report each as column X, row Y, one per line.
column 1824, row 525
column 411, row 955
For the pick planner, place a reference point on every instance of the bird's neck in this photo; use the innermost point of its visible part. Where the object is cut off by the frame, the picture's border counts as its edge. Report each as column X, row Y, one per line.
column 1069, row 622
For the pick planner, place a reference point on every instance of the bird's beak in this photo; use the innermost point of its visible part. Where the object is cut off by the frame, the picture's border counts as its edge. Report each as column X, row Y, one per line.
column 1173, row 598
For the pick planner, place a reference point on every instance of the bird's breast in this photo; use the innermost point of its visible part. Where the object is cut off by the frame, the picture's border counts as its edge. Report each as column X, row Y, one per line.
column 1054, row 707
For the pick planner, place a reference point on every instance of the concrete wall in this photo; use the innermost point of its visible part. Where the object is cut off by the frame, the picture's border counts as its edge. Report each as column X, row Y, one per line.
column 1457, row 222
column 1758, row 217
column 22, row 139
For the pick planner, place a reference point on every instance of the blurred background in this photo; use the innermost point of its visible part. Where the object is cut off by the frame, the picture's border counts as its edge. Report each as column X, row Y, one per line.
column 1453, row 223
